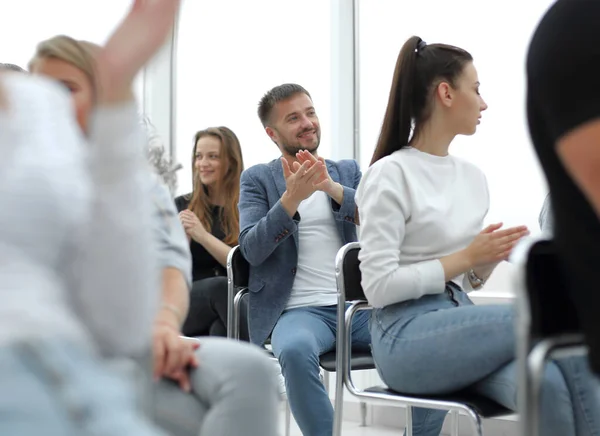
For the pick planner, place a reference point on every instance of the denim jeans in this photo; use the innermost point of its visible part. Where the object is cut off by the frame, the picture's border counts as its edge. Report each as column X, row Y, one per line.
column 443, row 343
column 60, row 389
column 300, row 336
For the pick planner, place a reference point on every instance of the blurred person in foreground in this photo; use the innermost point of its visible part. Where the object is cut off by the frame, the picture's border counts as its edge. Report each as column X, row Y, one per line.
column 87, row 270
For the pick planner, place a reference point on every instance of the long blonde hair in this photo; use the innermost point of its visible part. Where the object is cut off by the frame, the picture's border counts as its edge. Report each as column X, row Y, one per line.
column 80, row 54
column 229, row 185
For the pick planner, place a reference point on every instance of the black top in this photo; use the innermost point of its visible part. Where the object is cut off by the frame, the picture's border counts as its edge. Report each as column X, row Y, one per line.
column 203, row 264
column 563, row 67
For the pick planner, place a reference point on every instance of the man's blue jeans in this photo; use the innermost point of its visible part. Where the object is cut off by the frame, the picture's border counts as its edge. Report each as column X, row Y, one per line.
column 300, row 336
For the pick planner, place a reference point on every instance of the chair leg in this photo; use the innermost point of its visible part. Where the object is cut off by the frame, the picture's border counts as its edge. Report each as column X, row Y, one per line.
column 455, row 424
column 476, row 421
column 288, row 418
column 534, row 377
column 409, row 428
column 338, row 409
column 363, row 414
column 479, row 426
column 535, row 373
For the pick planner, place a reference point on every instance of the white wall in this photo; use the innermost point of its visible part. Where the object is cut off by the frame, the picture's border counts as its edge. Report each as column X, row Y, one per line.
column 231, row 52
column 497, row 35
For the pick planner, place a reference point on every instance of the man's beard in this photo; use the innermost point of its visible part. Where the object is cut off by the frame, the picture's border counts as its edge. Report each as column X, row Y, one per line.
column 291, row 150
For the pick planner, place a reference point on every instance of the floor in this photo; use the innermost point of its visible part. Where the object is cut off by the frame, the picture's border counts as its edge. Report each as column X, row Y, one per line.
column 349, row 429
column 496, row 427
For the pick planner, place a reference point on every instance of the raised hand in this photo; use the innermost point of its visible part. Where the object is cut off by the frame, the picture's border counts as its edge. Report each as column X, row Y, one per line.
column 493, row 245
column 324, row 183
column 134, row 42
column 300, row 183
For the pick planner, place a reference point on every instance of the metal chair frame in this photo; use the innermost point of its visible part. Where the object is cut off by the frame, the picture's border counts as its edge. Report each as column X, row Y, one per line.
column 536, row 343
column 379, row 394
column 237, row 289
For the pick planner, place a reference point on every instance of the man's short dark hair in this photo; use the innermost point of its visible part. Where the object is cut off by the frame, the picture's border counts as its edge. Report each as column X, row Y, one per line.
column 12, row 67
column 274, row 96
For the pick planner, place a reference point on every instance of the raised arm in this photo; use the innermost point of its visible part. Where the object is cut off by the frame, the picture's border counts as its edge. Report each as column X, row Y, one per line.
column 117, row 275
column 117, row 284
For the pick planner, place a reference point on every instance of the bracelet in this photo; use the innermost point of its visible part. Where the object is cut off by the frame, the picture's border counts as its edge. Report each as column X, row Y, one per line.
column 174, row 310
column 168, row 324
column 475, row 280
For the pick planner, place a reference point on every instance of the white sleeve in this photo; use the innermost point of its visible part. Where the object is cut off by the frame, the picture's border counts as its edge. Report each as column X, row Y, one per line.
column 384, row 206
column 117, row 278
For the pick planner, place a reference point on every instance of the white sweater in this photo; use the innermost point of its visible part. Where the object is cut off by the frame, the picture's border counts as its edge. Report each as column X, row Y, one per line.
column 415, row 208
column 77, row 258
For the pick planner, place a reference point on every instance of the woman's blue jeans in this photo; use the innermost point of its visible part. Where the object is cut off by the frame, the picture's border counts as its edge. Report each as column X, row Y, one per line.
column 443, row 343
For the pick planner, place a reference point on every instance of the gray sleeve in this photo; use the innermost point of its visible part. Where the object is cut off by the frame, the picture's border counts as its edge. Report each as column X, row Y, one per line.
column 115, row 280
column 173, row 246
column 546, row 218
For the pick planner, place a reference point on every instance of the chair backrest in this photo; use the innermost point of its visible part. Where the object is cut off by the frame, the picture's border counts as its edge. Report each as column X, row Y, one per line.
column 350, row 266
column 240, row 268
column 349, row 272
column 552, row 311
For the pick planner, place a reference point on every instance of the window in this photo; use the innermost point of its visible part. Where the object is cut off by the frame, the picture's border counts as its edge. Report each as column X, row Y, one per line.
column 27, row 22
column 231, row 52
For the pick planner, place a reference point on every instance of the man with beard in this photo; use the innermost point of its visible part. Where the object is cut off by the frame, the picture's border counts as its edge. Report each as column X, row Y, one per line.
column 296, row 212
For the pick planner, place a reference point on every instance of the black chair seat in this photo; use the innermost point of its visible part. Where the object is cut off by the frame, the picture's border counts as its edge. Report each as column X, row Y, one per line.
column 482, row 405
column 359, row 360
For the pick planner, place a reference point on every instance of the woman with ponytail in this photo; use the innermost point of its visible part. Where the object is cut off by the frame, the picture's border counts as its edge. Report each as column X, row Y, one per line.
column 423, row 247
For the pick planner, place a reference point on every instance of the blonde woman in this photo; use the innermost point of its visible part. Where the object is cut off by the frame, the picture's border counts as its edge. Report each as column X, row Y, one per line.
column 225, row 366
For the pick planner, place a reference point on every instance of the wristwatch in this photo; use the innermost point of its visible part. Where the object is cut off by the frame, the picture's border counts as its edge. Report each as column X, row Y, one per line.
column 475, row 280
